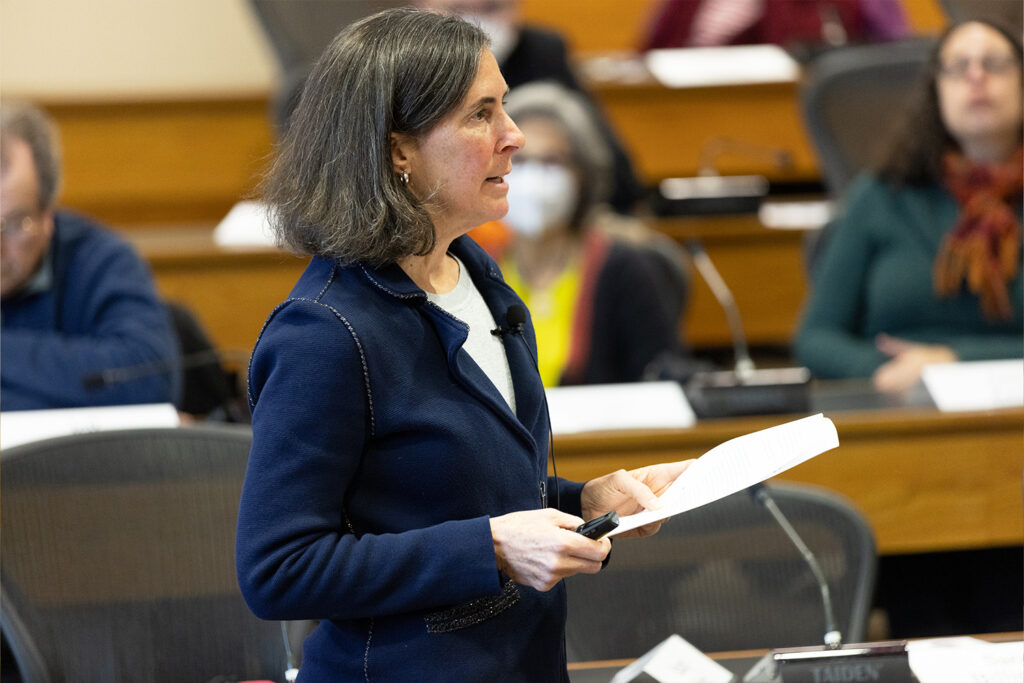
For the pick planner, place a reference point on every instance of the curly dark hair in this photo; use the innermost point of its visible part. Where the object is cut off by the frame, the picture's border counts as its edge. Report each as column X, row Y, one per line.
column 914, row 155
column 332, row 189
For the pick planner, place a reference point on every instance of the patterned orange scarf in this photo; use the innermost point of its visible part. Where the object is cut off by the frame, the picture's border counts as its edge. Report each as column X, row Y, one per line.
column 983, row 247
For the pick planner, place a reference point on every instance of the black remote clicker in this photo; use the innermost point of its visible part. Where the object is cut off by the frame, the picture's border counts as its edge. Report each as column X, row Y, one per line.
column 599, row 526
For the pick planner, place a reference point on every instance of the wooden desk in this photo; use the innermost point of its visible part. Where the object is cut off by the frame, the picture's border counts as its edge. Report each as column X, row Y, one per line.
column 666, row 129
column 738, row 661
column 230, row 289
column 925, row 480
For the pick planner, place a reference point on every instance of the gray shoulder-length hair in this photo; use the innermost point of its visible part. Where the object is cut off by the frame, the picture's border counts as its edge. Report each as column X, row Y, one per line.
column 332, row 188
column 576, row 117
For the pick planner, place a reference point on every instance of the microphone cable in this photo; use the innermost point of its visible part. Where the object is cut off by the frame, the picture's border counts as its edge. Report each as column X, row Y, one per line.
column 515, row 318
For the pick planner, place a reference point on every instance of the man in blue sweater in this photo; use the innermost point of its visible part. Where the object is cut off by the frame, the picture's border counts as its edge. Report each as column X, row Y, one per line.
column 75, row 300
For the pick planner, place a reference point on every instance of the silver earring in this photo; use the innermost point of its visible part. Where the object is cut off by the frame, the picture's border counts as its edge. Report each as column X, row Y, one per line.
column 405, row 177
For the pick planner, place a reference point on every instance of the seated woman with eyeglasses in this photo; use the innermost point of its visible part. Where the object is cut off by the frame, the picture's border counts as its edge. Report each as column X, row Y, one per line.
column 925, row 264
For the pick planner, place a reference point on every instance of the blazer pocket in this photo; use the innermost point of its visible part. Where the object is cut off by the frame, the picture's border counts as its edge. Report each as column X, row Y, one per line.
column 473, row 612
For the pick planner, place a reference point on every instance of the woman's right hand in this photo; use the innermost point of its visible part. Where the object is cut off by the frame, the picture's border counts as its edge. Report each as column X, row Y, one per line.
column 539, row 548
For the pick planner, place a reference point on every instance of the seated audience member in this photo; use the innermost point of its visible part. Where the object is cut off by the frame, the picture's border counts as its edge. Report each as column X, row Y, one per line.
column 704, row 23
column 528, row 53
column 603, row 308
column 75, row 300
column 925, row 264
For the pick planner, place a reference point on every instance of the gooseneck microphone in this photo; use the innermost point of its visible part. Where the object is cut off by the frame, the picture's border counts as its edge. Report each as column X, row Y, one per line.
column 744, row 365
column 745, row 390
column 833, row 637
column 108, row 376
column 103, row 378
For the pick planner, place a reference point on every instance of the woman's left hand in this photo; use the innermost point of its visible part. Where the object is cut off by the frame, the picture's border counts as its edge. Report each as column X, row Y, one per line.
column 630, row 492
column 908, row 360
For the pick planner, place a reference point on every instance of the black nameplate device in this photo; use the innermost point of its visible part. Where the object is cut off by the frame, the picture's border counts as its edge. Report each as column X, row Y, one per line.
column 599, row 526
column 882, row 661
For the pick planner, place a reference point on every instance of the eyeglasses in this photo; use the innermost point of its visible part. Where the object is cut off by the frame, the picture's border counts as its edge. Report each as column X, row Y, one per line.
column 993, row 65
column 17, row 225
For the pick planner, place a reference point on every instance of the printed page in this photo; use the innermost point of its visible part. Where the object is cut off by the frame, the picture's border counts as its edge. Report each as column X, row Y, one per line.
column 966, row 660
column 739, row 463
column 975, row 385
column 597, row 407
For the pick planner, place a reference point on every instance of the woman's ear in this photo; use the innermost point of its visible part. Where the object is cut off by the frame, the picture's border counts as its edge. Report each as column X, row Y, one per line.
column 401, row 152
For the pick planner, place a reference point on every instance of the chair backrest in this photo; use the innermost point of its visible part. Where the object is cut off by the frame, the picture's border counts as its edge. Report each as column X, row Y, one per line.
column 726, row 577
column 852, row 97
column 299, row 30
column 118, row 559
column 1009, row 12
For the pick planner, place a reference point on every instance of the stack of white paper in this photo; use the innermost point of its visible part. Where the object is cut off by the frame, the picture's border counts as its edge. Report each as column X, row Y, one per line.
column 692, row 67
column 247, row 224
column 597, row 407
column 966, row 660
column 975, row 385
column 739, row 463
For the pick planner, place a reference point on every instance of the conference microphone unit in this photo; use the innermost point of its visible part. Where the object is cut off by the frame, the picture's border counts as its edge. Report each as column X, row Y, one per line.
column 744, row 390
column 833, row 661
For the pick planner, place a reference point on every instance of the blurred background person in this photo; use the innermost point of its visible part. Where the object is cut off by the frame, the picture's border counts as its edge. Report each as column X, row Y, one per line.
column 800, row 25
column 604, row 308
column 528, row 53
column 75, row 299
column 925, row 264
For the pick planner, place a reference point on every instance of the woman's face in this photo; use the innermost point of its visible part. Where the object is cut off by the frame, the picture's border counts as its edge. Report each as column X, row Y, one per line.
column 979, row 89
column 458, row 169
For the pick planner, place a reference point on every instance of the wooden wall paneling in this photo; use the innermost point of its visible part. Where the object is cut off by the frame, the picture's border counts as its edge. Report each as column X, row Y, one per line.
column 135, row 163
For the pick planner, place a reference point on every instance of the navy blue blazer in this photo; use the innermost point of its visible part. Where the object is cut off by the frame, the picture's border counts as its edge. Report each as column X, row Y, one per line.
column 380, row 451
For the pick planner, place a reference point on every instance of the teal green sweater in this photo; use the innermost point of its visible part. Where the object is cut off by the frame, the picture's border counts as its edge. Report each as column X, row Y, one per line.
column 875, row 275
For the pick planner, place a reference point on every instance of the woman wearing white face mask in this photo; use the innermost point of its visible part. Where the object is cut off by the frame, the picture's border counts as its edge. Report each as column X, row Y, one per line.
column 603, row 309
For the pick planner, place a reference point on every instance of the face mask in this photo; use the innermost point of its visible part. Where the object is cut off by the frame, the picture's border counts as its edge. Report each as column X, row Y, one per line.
column 539, row 196
column 503, row 35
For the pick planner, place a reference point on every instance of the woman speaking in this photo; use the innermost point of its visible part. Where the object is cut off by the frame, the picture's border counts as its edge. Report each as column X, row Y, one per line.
column 397, row 487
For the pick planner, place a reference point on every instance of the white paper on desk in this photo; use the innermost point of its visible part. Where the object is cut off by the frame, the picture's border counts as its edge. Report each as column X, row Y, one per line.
column 738, row 463
column 975, row 385
column 631, row 405
column 693, row 67
column 21, row 426
column 246, row 225
column 675, row 660
column 966, row 660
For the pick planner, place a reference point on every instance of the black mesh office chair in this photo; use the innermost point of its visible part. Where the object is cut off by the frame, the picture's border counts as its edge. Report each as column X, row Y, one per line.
column 118, row 559
column 1009, row 12
column 726, row 577
column 299, row 30
column 851, row 99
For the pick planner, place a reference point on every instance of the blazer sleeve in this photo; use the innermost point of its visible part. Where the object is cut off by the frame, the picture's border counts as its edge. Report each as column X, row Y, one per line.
column 297, row 554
